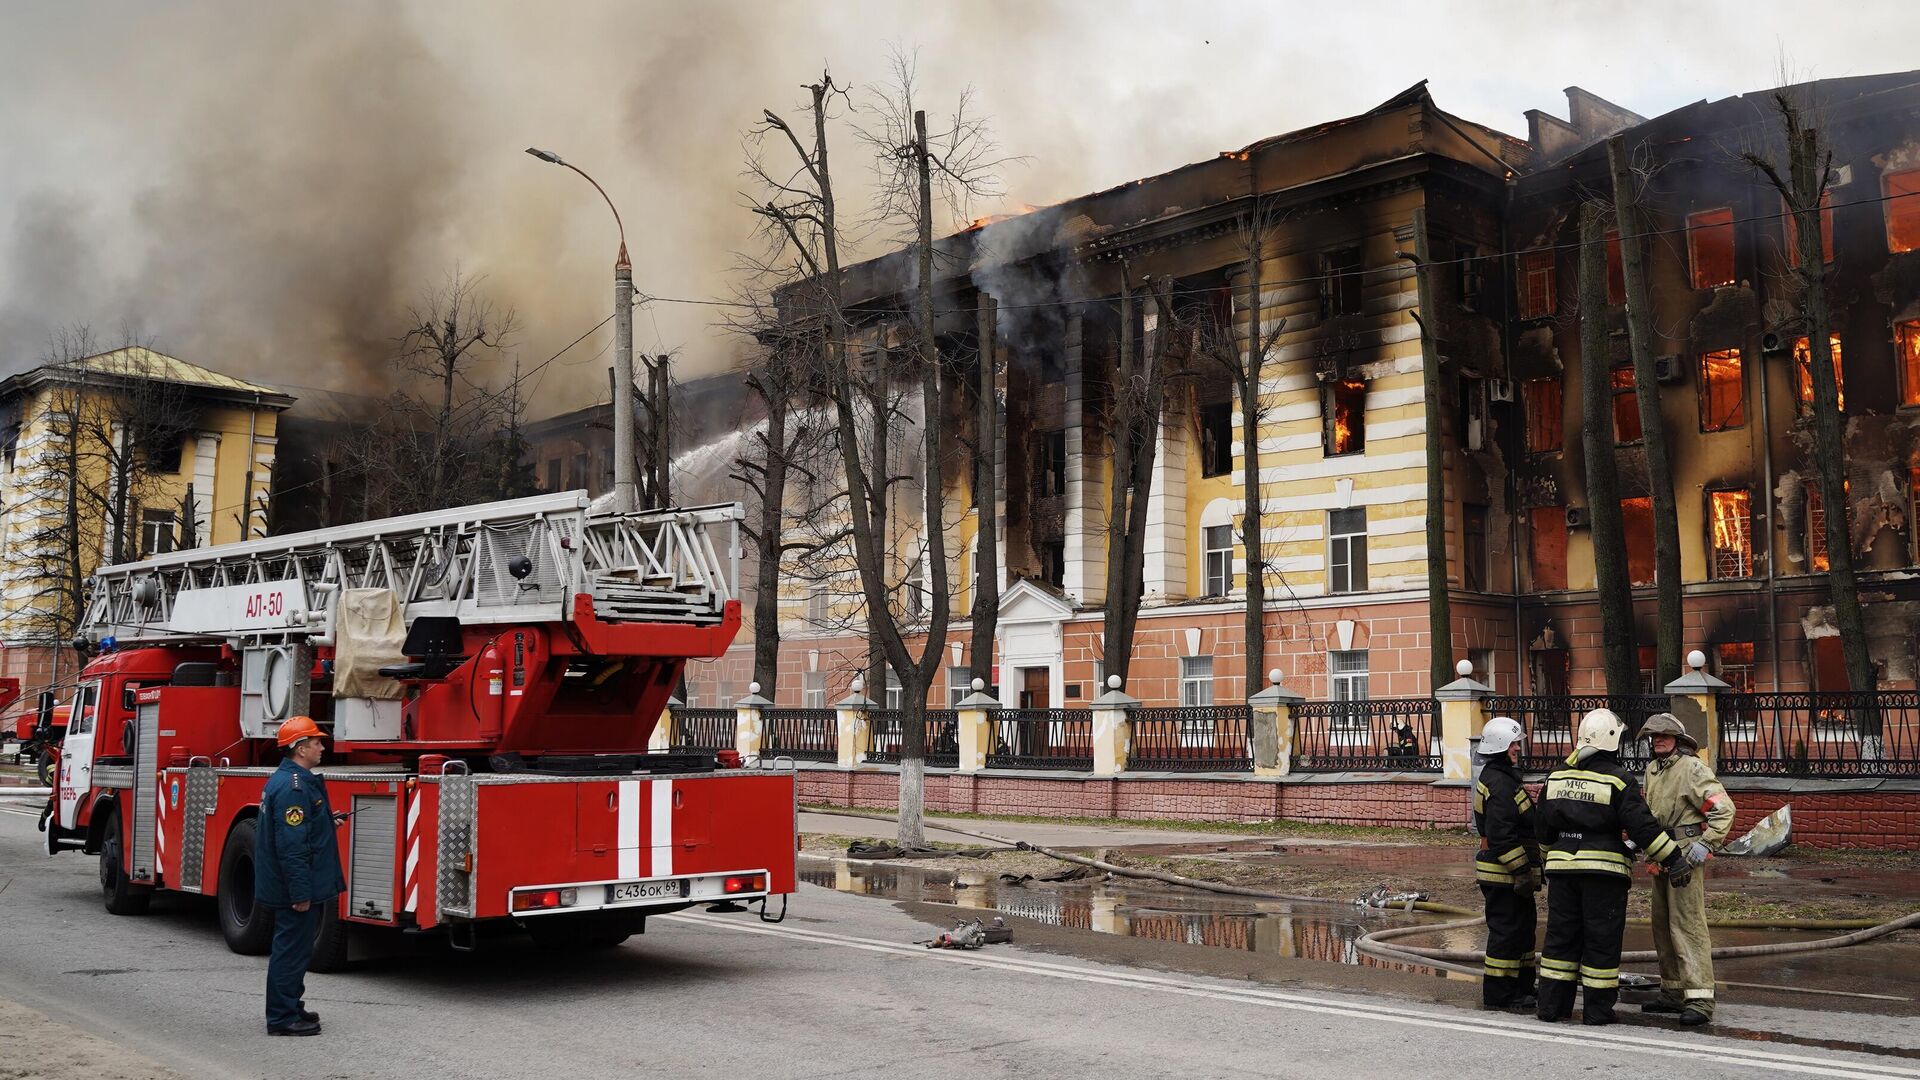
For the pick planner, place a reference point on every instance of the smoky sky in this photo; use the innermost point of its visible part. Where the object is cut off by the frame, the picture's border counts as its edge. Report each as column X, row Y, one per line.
column 264, row 188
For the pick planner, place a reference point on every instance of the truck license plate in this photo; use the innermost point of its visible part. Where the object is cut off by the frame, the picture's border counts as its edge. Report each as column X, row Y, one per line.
column 646, row 890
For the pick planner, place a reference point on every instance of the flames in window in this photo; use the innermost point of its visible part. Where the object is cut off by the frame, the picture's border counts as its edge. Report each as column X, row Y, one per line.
column 1347, row 429
column 1731, row 514
column 1803, row 372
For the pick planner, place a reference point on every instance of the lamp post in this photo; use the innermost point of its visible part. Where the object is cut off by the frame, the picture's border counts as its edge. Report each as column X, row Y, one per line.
column 625, row 491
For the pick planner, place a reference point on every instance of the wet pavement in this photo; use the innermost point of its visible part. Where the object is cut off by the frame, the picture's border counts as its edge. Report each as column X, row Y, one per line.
column 1882, row 976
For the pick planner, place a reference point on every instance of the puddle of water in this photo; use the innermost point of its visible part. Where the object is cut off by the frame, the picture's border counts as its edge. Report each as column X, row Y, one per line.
column 1274, row 928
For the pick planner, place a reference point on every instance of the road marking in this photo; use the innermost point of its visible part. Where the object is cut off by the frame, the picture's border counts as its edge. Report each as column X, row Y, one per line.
column 1639, row 1041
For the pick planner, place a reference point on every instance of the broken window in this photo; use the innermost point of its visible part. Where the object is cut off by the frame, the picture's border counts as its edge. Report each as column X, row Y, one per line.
column 1829, row 669
column 1552, row 672
column 1791, row 227
column 1734, row 663
column 1547, row 531
column 1053, row 563
column 1053, row 464
column 1218, row 540
column 1626, row 406
column 1636, row 524
column 1803, row 373
column 1347, row 550
column 1538, row 287
column 1903, row 210
column 1710, row 247
column 1344, row 404
column 1723, row 391
column 1616, row 271
column 1216, row 439
column 1466, row 275
column 1473, row 527
column 1544, row 424
column 1906, row 339
column 553, row 475
column 1340, row 292
column 1730, row 526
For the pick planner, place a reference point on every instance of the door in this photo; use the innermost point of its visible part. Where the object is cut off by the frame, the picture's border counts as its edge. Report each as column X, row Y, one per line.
column 1035, row 684
column 76, row 752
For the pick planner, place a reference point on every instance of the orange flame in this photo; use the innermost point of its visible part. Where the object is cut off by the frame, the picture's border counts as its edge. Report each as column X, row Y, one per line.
column 1348, row 396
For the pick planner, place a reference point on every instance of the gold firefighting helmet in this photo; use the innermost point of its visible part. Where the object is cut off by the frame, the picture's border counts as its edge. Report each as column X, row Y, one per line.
column 1600, row 730
column 1666, row 723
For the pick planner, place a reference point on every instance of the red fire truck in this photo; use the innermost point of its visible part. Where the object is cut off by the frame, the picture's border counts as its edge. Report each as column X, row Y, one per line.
column 491, row 678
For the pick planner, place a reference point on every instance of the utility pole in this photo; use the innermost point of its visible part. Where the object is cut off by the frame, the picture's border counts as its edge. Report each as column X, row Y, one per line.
column 625, row 491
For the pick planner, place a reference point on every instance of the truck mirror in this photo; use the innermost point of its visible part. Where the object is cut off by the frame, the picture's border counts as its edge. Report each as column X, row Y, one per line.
column 129, row 697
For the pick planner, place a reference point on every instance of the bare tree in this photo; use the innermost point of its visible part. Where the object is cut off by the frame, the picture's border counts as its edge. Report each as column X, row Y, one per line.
column 1135, row 404
column 1603, row 482
column 1629, row 184
column 1244, row 358
column 1804, row 183
column 985, row 480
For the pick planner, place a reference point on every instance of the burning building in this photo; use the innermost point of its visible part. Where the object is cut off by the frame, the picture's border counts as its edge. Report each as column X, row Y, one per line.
column 1342, row 431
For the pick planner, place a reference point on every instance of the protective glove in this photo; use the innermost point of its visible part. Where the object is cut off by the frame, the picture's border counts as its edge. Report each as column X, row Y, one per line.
column 1697, row 853
column 1526, row 882
column 1678, row 870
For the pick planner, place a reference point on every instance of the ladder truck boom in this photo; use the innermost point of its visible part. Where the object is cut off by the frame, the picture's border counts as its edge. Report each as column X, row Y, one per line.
column 492, row 678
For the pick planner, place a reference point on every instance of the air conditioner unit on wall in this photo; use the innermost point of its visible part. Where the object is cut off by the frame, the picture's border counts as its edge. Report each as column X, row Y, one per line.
column 1576, row 517
column 1500, row 390
column 1668, row 369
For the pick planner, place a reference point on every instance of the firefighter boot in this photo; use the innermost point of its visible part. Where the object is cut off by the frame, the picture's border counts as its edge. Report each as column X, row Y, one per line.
column 1596, row 1006
column 1554, row 1000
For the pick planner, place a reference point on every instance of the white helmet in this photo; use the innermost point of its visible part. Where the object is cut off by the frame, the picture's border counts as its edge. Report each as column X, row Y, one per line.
column 1600, row 730
column 1500, row 733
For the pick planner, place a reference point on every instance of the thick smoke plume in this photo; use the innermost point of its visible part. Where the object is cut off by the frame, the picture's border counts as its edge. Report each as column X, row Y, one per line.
column 264, row 188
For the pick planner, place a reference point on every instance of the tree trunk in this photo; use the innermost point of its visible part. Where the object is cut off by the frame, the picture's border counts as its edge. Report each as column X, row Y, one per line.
column 766, row 598
column 188, row 539
column 1603, row 484
column 1137, row 395
column 1439, row 595
column 1653, row 432
column 1252, row 532
column 1808, row 166
column 986, row 558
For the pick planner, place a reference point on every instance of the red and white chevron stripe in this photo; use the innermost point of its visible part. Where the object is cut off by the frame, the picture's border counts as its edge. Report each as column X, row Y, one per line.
column 410, row 882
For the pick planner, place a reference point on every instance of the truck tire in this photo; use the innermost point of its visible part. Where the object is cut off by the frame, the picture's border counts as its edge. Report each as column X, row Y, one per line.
column 122, row 896
column 44, row 767
column 247, row 926
column 330, row 948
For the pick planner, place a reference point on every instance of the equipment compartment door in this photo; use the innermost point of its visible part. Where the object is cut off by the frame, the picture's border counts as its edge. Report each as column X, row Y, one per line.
column 372, row 836
column 146, row 791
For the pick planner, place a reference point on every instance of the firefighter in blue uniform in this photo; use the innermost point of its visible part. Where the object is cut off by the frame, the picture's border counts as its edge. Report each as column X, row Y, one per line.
column 297, row 874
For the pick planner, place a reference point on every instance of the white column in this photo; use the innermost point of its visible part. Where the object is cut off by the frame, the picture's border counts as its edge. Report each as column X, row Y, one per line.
column 206, row 455
column 258, row 499
column 1086, row 570
column 1166, row 562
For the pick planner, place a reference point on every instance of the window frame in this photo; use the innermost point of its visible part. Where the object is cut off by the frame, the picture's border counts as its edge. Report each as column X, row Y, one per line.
column 1215, row 422
column 959, row 685
column 1053, row 464
column 1349, row 728
column 1534, row 532
column 1802, row 355
column 1906, row 356
column 1539, row 386
column 813, row 689
column 1332, row 393
column 1907, row 200
column 1714, row 549
column 1697, row 231
column 1196, row 683
column 1212, row 553
column 1643, row 508
column 1538, row 267
column 168, row 524
column 1342, row 546
column 1342, row 284
column 1618, row 388
column 1705, row 384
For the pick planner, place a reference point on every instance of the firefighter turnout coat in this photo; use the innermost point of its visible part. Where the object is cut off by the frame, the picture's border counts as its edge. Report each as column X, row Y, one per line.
column 1687, row 798
column 1507, row 867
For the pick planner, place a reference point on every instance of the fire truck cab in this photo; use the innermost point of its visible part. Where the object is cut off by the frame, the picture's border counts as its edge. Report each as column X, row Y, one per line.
column 492, row 678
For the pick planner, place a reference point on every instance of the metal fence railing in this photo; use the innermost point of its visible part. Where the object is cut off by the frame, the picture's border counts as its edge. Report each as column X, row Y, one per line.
column 704, row 729
column 1211, row 738
column 943, row 737
column 1552, row 721
column 802, row 734
column 1850, row 734
column 1042, row 739
column 1386, row 734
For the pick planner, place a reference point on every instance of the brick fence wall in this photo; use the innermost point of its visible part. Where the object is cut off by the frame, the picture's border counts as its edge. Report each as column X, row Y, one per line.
column 1876, row 819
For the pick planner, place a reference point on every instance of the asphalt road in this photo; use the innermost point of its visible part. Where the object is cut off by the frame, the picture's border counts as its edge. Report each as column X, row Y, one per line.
column 837, row 991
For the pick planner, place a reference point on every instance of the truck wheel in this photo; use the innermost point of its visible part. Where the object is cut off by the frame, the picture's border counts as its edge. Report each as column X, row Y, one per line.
column 247, row 926
column 123, row 897
column 330, row 948
column 45, row 767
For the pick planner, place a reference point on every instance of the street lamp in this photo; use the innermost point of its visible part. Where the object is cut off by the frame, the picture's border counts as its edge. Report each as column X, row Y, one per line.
column 625, row 490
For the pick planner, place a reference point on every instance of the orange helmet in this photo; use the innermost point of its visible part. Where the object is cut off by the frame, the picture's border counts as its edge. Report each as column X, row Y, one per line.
column 297, row 728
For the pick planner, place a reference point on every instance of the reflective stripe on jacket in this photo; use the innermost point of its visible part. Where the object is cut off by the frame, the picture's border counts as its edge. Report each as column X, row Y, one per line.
column 1503, row 816
column 1584, row 810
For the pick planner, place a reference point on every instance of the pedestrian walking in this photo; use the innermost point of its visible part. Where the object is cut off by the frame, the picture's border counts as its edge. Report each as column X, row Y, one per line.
column 1507, row 867
column 296, row 862
column 1687, row 798
column 1585, row 809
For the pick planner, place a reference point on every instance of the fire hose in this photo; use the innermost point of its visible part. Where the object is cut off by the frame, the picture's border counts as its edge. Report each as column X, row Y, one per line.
column 1374, row 943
